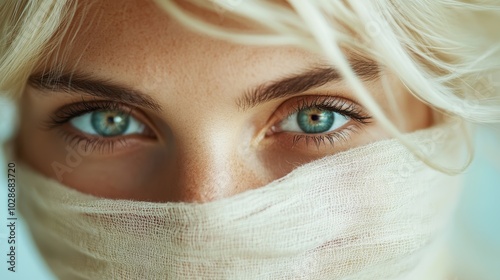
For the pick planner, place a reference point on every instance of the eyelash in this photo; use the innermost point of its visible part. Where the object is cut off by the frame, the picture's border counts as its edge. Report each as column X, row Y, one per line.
column 338, row 105
column 74, row 110
column 65, row 114
column 335, row 104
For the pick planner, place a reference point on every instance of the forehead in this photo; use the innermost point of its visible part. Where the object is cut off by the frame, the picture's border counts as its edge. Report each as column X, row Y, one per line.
column 137, row 42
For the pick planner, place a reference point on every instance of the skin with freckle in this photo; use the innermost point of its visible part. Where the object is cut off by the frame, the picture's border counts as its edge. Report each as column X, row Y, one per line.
column 205, row 146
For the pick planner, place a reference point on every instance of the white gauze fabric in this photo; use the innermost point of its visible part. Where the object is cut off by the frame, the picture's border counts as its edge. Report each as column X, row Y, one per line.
column 372, row 212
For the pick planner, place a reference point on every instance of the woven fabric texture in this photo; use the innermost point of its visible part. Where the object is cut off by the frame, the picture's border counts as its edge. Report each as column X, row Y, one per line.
column 372, row 212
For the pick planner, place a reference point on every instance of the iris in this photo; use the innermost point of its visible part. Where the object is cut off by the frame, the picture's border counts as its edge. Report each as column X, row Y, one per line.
column 315, row 120
column 110, row 123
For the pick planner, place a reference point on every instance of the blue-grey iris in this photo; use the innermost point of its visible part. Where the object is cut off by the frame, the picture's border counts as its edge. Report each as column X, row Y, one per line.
column 110, row 123
column 315, row 120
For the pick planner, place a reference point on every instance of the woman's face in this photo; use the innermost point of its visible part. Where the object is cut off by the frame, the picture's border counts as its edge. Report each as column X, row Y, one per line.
column 146, row 109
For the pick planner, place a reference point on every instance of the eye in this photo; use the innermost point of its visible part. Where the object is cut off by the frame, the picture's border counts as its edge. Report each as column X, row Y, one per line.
column 316, row 119
column 109, row 123
column 102, row 126
column 313, row 120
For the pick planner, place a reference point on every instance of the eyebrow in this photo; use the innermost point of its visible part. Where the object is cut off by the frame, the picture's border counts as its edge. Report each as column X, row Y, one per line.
column 312, row 78
column 78, row 83
column 75, row 83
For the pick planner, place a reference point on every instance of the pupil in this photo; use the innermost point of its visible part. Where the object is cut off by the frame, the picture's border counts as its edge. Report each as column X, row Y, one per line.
column 314, row 117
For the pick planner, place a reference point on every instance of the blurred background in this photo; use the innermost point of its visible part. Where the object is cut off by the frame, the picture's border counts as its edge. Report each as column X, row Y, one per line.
column 476, row 233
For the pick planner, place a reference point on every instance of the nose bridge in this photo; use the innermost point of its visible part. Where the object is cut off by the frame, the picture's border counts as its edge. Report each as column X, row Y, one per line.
column 209, row 169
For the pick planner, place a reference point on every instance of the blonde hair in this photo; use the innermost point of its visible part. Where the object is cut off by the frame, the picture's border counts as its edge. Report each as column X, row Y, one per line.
column 446, row 52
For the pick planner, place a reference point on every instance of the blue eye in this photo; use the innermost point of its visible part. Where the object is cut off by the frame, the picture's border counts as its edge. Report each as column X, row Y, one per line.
column 313, row 120
column 107, row 123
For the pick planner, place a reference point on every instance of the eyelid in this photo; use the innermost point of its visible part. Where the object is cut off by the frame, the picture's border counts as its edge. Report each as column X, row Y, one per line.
column 67, row 112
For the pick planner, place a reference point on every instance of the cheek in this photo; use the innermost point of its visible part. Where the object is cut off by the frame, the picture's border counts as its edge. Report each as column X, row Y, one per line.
column 41, row 152
column 134, row 175
column 280, row 157
column 403, row 109
column 417, row 115
column 143, row 175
